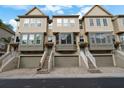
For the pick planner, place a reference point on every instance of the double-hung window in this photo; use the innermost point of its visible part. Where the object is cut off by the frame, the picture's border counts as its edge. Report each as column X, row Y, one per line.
column 24, row 39
column 59, row 22
column 26, row 22
column 38, row 22
column 38, row 38
column 91, row 22
column 105, row 22
column 98, row 22
column 31, row 39
column 72, row 22
column 65, row 22
column 33, row 22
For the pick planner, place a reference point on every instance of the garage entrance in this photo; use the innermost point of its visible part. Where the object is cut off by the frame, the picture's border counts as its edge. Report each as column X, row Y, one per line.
column 65, row 61
column 29, row 61
column 104, row 60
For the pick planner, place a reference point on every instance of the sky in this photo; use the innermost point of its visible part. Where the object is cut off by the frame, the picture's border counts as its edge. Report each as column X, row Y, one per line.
column 10, row 12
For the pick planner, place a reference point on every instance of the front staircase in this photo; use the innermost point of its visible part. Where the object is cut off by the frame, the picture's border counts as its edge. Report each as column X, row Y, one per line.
column 92, row 68
column 8, row 61
column 89, row 61
column 45, row 62
column 44, row 69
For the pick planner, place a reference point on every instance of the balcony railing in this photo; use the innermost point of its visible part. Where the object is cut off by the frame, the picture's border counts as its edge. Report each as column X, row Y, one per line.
column 66, row 47
column 101, row 46
column 31, row 48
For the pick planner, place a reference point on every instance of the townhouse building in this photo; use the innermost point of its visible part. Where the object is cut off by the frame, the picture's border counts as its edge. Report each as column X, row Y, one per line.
column 67, row 41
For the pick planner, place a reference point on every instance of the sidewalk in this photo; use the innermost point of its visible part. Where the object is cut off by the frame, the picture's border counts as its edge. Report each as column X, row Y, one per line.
column 63, row 73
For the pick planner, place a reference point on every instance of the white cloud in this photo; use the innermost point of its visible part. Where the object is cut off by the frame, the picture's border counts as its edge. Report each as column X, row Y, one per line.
column 18, row 7
column 52, row 8
column 84, row 10
column 60, row 12
column 55, row 8
column 13, row 23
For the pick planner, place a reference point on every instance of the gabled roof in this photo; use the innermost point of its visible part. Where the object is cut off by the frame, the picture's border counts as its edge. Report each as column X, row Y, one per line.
column 98, row 7
column 33, row 10
column 8, row 30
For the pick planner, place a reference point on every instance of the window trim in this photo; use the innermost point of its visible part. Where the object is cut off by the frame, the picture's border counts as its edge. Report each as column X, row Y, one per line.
column 22, row 39
column 72, row 38
column 105, row 22
column 91, row 22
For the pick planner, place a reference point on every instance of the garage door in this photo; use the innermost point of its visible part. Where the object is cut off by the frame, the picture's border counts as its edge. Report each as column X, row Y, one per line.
column 104, row 61
column 29, row 62
column 66, row 61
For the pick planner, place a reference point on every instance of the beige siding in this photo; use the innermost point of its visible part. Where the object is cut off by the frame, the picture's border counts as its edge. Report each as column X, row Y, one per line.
column 120, row 24
column 96, row 28
column 35, row 12
column 74, row 28
column 4, row 33
column 30, row 29
column 97, row 12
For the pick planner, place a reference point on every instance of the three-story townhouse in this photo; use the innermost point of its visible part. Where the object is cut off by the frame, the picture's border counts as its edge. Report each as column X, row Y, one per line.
column 32, row 30
column 118, row 22
column 66, row 31
column 98, row 32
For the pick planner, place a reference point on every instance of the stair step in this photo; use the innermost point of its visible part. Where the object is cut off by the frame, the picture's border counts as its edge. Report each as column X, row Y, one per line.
column 43, row 71
column 94, row 71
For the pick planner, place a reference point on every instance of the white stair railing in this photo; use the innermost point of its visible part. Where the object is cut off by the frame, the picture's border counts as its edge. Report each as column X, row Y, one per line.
column 11, row 54
column 90, row 56
column 85, row 60
column 50, row 60
column 42, row 59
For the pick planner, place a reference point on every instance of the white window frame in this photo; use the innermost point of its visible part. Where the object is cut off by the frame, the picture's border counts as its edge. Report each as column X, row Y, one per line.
column 37, row 39
column 98, row 22
column 26, row 22
column 91, row 22
column 59, row 22
column 31, row 41
column 72, row 22
column 39, row 22
column 24, row 39
column 65, row 22
column 105, row 22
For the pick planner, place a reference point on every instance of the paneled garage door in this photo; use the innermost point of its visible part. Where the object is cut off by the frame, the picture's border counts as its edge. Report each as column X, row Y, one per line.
column 29, row 62
column 104, row 60
column 66, row 61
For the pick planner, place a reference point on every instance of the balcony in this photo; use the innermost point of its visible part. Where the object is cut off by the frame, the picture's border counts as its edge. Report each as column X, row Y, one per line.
column 31, row 47
column 101, row 46
column 66, row 47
